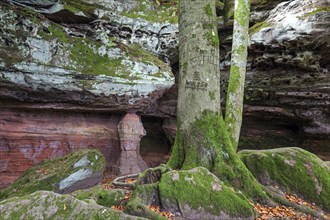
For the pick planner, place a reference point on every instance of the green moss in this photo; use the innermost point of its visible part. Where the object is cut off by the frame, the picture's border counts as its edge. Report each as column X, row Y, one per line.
column 294, row 169
column 87, row 61
column 257, row 27
column 63, row 207
column 81, row 6
column 107, row 198
column 317, row 10
column 229, row 9
column 212, row 95
column 202, row 191
column 208, row 10
column 207, row 143
column 47, row 174
column 143, row 196
column 213, row 38
column 151, row 11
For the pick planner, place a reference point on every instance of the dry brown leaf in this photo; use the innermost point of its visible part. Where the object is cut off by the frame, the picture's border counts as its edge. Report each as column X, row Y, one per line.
column 156, row 209
column 119, row 207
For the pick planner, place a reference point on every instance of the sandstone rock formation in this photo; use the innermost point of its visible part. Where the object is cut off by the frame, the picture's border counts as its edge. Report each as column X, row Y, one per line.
column 130, row 131
column 312, row 174
column 70, row 71
column 46, row 205
column 78, row 170
column 65, row 85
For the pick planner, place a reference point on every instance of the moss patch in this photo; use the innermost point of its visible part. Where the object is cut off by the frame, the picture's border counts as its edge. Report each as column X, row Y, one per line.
column 103, row 197
column 294, row 169
column 202, row 192
column 166, row 11
column 257, row 27
column 49, row 205
column 317, row 10
column 48, row 174
column 206, row 143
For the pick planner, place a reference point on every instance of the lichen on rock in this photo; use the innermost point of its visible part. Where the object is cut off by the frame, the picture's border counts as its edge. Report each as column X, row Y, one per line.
column 294, row 170
column 78, row 170
column 50, row 205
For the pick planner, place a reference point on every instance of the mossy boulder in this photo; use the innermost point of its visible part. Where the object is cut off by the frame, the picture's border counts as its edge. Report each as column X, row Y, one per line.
column 88, row 68
column 50, row 205
column 293, row 169
column 198, row 194
column 78, row 170
column 108, row 198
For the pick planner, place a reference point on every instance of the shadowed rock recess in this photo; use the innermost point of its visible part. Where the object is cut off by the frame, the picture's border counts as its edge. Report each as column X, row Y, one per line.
column 71, row 70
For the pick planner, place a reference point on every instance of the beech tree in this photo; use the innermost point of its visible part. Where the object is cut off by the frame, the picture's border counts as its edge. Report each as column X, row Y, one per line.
column 204, row 138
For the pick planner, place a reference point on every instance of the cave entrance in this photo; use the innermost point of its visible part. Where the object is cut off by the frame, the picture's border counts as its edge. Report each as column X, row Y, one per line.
column 155, row 147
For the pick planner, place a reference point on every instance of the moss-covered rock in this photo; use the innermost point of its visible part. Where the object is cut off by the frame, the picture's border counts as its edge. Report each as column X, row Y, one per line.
column 163, row 11
column 294, row 170
column 198, row 194
column 85, row 66
column 143, row 196
column 50, row 205
column 108, row 198
column 77, row 170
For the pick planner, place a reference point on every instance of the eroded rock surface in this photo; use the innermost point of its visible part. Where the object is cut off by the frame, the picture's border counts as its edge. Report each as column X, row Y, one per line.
column 43, row 62
column 46, row 205
column 130, row 130
column 72, row 57
column 78, row 170
column 278, row 167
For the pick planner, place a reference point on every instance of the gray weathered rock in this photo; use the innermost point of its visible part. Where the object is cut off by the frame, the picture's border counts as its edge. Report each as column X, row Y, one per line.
column 278, row 167
column 78, row 170
column 46, row 205
column 39, row 57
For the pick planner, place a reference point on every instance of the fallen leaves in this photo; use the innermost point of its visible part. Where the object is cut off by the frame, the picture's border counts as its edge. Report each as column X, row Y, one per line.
column 130, row 180
column 267, row 212
column 43, row 171
column 299, row 201
column 128, row 196
column 119, row 207
column 156, row 209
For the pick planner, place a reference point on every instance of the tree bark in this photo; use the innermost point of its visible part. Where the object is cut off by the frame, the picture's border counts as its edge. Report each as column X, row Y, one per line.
column 202, row 138
column 199, row 80
column 235, row 93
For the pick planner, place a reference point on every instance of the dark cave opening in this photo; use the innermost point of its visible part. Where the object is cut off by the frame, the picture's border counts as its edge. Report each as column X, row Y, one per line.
column 155, row 147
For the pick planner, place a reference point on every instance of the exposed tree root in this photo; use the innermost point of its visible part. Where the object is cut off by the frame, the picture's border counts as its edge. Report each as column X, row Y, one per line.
column 119, row 181
column 275, row 194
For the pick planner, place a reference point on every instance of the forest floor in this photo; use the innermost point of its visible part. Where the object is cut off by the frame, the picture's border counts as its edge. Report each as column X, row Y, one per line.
column 264, row 212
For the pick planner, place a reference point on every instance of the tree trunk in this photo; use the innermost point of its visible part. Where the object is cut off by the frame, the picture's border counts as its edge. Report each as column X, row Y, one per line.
column 202, row 138
column 199, row 81
column 235, row 93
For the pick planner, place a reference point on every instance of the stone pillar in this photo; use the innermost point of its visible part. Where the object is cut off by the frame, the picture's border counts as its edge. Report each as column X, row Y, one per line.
column 130, row 130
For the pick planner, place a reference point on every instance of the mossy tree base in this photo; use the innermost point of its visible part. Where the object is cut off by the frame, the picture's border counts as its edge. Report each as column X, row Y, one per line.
column 206, row 143
column 294, row 170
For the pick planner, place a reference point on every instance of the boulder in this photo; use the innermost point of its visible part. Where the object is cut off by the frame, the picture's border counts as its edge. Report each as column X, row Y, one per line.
column 78, row 170
column 50, row 205
column 198, row 194
column 278, row 167
column 103, row 197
